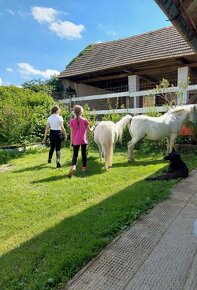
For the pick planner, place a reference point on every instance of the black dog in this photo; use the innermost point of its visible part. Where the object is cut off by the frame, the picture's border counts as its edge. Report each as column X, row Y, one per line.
column 176, row 169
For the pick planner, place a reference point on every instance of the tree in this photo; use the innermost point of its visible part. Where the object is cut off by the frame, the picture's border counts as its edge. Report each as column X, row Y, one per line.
column 38, row 86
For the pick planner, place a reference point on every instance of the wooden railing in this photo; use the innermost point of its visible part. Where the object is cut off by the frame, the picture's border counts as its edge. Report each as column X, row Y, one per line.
column 128, row 95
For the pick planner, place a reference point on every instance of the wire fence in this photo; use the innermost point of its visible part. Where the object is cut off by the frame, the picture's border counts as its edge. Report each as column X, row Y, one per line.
column 155, row 98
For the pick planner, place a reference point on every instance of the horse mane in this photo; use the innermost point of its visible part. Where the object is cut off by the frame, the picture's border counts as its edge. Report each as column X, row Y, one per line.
column 120, row 125
column 186, row 108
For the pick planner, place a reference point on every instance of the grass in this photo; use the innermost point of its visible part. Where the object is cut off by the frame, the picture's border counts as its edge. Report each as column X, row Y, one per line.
column 51, row 226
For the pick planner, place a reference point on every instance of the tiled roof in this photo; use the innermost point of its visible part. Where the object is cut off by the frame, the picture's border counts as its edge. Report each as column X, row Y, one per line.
column 160, row 44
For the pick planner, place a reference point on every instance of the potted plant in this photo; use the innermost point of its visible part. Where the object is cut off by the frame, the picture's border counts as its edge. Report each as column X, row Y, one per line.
column 187, row 138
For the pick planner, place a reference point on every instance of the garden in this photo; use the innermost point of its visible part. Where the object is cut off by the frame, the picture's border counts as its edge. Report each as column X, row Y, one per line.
column 51, row 226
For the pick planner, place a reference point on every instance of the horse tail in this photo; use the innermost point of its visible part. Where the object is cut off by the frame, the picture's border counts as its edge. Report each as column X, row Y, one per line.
column 107, row 150
column 110, row 155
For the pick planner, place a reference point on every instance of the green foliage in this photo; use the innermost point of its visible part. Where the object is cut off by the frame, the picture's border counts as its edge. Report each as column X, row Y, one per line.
column 52, row 226
column 50, row 86
column 166, row 91
column 83, row 52
column 70, row 92
column 181, row 139
column 55, row 84
column 6, row 156
column 38, row 86
column 23, row 114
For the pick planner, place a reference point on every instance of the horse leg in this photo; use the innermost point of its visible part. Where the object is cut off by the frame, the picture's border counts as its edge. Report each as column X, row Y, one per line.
column 168, row 146
column 100, row 151
column 131, row 145
column 172, row 141
column 110, row 156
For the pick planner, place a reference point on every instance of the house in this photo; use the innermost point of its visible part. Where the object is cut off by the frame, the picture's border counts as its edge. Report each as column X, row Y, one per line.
column 122, row 74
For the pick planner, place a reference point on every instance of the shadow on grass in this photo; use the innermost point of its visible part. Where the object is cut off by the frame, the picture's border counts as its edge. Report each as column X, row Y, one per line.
column 49, row 179
column 95, row 167
column 33, row 168
column 138, row 163
column 55, row 255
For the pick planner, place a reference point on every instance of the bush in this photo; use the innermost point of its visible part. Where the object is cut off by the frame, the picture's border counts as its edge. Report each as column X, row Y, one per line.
column 6, row 156
column 24, row 114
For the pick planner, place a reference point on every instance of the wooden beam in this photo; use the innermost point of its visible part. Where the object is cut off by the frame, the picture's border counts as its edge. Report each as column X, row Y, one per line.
column 148, row 78
column 97, row 79
column 182, row 61
column 170, row 67
column 186, row 3
column 163, row 69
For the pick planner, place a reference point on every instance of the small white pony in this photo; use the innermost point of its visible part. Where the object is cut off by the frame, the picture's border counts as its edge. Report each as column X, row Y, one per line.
column 106, row 134
column 157, row 128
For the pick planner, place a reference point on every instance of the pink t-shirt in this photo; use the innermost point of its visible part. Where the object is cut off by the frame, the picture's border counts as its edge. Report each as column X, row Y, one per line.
column 79, row 131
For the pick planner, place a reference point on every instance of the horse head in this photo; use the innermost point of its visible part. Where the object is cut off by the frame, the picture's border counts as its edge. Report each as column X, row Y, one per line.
column 192, row 116
column 186, row 112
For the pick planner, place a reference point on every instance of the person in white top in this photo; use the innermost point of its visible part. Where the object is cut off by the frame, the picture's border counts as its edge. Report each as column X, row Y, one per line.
column 56, row 127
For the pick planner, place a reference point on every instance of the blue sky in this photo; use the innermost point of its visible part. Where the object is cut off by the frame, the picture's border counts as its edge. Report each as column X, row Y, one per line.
column 39, row 38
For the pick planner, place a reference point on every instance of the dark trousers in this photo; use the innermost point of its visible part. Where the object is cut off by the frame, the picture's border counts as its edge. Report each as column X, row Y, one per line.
column 55, row 143
column 83, row 154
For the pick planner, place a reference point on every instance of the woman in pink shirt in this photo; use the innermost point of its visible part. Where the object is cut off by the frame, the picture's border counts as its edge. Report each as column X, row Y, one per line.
column 78, row 132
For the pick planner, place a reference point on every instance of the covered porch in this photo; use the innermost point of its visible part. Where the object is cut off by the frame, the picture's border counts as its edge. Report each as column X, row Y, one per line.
column 123, row 75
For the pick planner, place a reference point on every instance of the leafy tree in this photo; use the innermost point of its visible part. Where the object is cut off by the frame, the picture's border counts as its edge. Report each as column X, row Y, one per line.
column 55, row 83
column 23, row 114
column 38, row 86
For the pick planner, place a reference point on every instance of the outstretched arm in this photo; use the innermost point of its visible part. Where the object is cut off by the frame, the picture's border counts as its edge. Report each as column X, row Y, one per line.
column 71, row 137
column 64, row 131
column 46, row 133
column 91, row 129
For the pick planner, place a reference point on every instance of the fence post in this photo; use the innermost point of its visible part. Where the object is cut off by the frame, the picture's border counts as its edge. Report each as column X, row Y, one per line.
column 183, row 75
column 134, row 84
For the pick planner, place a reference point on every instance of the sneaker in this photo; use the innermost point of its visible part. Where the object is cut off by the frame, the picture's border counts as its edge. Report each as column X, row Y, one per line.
column 58, row 164
column 72, row 170
column 49, row 160
column 84, row 168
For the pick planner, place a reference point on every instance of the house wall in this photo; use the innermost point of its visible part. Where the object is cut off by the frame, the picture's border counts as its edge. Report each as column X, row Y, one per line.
column 83, row 89
column 134, row 85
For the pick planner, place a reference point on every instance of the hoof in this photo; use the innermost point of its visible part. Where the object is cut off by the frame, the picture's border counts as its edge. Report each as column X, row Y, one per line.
column 131, row 161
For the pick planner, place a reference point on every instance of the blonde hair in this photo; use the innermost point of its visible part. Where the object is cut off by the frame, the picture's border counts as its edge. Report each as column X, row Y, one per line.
column 78, row 110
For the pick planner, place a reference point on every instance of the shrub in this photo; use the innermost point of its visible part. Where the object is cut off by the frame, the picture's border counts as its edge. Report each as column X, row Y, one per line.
column 6, row 156
column 23, row 114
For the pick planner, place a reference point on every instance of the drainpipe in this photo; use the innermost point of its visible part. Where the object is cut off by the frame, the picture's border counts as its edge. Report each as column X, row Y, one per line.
column 179, row 19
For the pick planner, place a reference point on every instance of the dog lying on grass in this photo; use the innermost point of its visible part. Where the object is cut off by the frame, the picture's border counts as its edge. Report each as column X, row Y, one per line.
column 176, row 169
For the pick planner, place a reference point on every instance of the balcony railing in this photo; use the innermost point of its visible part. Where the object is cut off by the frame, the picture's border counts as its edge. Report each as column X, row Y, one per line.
column 131, row 102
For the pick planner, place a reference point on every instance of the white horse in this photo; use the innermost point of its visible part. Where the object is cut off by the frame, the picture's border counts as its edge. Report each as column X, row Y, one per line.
column 156, row 128
column 106, row 134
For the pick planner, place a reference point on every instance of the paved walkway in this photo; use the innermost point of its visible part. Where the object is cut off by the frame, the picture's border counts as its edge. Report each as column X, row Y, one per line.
column 159, row 252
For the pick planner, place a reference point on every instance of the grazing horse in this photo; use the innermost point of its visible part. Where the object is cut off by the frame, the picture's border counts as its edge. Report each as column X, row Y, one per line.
column 156, row 128
column 106, row 134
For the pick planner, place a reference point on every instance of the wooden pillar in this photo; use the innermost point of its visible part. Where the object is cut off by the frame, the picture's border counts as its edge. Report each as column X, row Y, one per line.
column 134, row 84
column 183, row 75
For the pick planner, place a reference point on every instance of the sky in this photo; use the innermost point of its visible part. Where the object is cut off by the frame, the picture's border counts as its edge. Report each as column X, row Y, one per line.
column 39, row 38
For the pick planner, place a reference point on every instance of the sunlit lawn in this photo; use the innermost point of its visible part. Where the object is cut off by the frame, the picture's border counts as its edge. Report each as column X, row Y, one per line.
column 51, row 226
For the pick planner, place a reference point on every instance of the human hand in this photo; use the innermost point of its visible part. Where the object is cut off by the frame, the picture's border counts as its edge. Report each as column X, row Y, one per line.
column 93, row 127
column 44, row 141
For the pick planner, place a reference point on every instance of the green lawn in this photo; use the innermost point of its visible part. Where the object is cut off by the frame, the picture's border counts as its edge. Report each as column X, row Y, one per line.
column 51, row 226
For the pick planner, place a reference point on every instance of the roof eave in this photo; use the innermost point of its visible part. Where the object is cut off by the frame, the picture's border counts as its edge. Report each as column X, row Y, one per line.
column 179, row 19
